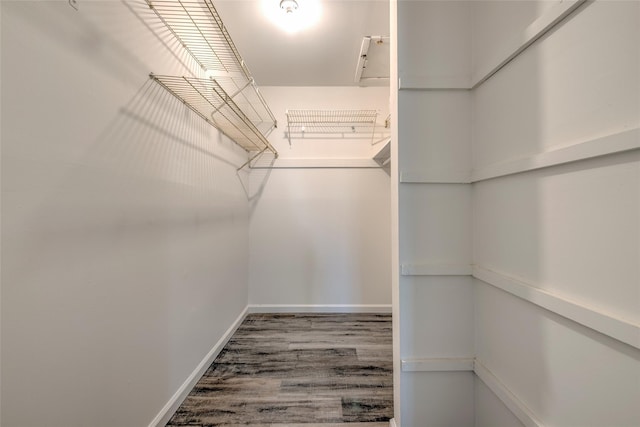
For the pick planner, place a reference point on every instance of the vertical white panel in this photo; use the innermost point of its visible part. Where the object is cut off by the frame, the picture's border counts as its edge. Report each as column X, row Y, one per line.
column 435, row 223
column 395, row 210
column 436, row 129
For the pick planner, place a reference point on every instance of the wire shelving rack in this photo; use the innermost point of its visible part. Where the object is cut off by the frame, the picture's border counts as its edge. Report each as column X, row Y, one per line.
column 228, row 96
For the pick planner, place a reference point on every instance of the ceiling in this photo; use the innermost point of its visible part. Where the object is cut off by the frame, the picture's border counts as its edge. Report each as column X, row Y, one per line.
column 324, row 55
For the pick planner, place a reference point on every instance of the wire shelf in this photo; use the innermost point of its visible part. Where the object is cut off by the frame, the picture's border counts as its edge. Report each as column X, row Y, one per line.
column 198, row 27
column 342, row 123
column 209, row 100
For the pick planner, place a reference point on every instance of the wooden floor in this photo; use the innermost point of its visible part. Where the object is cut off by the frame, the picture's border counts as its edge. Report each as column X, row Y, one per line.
column 298, row 370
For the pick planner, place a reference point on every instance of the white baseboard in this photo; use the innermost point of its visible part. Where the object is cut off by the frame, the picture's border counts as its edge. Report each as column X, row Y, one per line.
column 319, row 308
column 176, row 400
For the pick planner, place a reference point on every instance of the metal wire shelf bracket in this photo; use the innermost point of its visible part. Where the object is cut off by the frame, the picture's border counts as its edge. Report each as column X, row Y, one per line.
column 197, row 26
column 341, row 123
column 209, row 100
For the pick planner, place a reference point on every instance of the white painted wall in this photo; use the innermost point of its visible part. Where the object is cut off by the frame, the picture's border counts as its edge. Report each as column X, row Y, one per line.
column 434, row 42
column 575, row 227
column 498, row 25
column 430, row 331
column 321, row 237
column 554, row 109
column 572, row 230
column 569, row 233
column 437, row 137
column 124, row 226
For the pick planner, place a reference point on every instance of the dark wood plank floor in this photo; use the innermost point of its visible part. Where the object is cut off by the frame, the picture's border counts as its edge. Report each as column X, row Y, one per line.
column 301, row 370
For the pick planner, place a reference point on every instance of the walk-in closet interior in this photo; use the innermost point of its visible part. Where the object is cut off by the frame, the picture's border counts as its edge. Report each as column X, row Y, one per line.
column 186, row 180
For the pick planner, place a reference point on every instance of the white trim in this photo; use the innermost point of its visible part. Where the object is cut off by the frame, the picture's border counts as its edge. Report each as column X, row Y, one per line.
column 611, row 144
column 511, row 401
column 432, row 177
column 514, row 47
column 319, row 308
column 471, row 364
column 281, row 163
column 509, row 51
column 416, row 82
column 436, row 269
column 438, row 365
column 392, row 422
column 178, row 397
column 594, row 318
column 620, row 142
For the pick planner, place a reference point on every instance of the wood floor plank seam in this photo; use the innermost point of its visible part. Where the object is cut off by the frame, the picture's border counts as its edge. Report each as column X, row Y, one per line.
column 298, row 370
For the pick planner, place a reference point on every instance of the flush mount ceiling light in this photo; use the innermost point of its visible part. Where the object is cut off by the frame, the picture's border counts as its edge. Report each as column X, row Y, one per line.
column 292, row 15
column 289, row 6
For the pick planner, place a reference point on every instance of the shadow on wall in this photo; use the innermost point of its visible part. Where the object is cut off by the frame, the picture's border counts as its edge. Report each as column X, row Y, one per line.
column 254, row 178
column 562, row 229
column 124, row 225
column 157, row 121
column 107, row 243
column 509, row 123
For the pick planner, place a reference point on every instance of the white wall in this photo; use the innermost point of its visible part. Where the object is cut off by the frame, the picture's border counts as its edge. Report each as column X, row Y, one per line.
column 571, row 230
column 489, row 410
column 435, row 308
column 497, row 25
column 124, row 225
column 320, row 235
column 553, row 324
